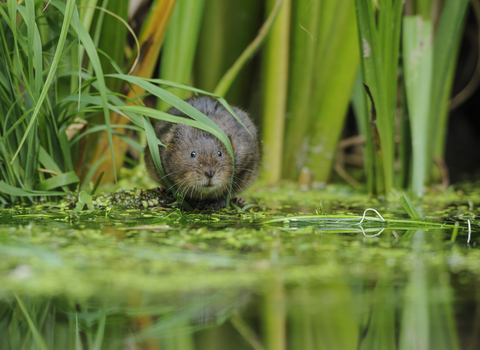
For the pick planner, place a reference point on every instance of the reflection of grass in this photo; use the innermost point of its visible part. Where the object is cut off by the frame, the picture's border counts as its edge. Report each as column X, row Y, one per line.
column 68, row 323
column 339, row 313
column 144, row 276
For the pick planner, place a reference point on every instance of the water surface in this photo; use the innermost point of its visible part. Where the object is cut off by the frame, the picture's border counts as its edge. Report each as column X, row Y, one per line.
column 161, row 279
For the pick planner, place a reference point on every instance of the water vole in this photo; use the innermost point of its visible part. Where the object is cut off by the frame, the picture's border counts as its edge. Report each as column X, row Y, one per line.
column 197, row 163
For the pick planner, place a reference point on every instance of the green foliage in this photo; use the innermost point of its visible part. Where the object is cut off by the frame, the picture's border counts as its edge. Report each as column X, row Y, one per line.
column 445, row 49
column 324, row 61
column 379, row 43
column 417, row 68
column 35, row 118
column 28, row 117
column 275, row 88
column 409, row 207
column 180, row 45
column 305, row 86
column 427, row 73
column 227, row 29
column 335, row 67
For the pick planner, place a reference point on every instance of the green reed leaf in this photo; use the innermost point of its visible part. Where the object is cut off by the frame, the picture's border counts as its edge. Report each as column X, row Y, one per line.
column 409, row 207
column 59, row 181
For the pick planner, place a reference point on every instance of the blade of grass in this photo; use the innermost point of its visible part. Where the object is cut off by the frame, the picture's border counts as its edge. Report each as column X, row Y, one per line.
column 179, row 104
column 245, row 331
column 59, row 181
column 35, row 333
column 31, row 164
column 95, row 186
column 409, row 207
column 15, row 191
column 56, row 59
column 97, row 345
column 78, row 344
column 91, row 173
column 211, row 53
column 113, row 39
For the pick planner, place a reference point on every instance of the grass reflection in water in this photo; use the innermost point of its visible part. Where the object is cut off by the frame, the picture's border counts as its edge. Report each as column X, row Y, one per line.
column 231, row 280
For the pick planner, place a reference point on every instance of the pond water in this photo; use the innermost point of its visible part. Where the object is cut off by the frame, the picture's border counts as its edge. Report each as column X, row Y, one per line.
column 162, row 279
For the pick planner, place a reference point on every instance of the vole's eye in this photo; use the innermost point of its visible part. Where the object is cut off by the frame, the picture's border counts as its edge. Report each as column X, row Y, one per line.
column 193, row 154
column 219, row 153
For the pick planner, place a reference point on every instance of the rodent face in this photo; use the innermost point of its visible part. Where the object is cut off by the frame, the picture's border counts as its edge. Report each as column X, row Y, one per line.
column 206, row 175
column 201, row 165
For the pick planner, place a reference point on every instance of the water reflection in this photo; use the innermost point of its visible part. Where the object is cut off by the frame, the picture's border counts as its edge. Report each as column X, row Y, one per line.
column 147, row 284
column 385, row 312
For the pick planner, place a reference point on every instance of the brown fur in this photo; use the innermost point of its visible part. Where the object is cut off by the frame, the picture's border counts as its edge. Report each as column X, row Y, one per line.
column 207, row 175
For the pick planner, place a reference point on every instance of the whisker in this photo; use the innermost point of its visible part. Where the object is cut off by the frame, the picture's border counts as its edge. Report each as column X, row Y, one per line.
column 194, row 187
column 244, row 169
column 238, row 178
column 174, row 172
column 177, row 183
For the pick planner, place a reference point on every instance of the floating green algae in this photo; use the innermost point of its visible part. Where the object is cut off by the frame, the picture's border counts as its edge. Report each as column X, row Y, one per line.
column 124, row 275
column 51, row 250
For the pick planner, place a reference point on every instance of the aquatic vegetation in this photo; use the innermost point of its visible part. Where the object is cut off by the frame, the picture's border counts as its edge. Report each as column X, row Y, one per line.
column 328, row 267
column 157, row 270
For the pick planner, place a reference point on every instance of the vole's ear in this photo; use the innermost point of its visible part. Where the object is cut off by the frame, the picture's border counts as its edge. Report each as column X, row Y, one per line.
column 233, row 146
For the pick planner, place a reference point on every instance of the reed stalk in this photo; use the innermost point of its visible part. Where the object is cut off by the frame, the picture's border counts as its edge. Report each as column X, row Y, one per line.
column 304, row 29
column 379, row 43
column 274, row 316
column 417, row 67
column 300, row 320
column 445, row 48
column 379, row 329
column 335, row 70
column 334, row 321
column 180, row 46
column 275, row 67
column 324, row 65
column 415, row 325
column 227, row 43
column 209, row 60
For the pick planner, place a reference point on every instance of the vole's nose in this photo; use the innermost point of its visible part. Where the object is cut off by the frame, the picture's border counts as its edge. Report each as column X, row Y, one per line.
column 209, row 173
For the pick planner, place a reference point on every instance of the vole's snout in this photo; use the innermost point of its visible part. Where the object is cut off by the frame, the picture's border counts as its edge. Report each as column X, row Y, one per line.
column 209, row 173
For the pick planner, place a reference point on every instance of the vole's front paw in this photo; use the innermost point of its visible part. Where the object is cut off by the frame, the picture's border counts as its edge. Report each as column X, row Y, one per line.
column 240, row 202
